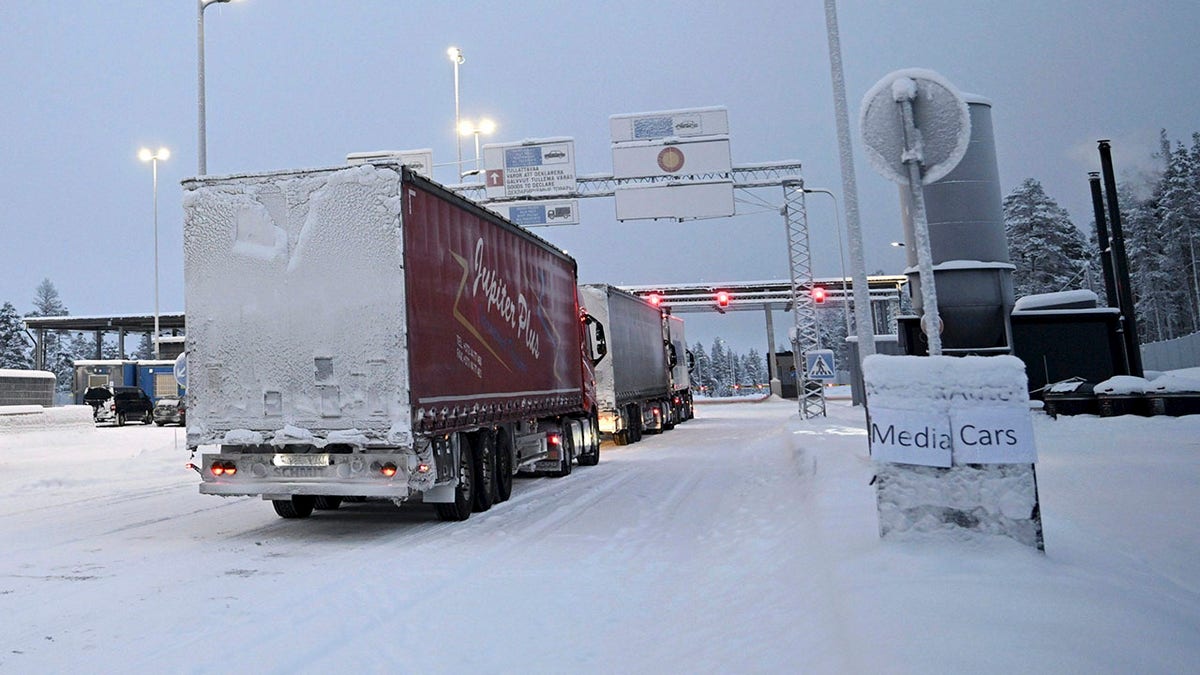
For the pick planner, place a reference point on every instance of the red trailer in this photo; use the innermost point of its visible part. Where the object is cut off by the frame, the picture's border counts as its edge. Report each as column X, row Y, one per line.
column 363, row 332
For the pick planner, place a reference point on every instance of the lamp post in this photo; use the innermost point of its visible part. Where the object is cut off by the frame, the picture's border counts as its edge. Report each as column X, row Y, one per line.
column 203, row 151
column 841, row 258
column 457, row 58
column 154, row 158
column 467, row 128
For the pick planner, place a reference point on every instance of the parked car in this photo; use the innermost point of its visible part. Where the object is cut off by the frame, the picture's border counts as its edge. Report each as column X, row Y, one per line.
column 119, row 405
column 170, row 410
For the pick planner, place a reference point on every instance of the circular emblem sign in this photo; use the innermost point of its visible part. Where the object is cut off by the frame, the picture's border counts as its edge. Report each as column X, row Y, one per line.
column 670, row 159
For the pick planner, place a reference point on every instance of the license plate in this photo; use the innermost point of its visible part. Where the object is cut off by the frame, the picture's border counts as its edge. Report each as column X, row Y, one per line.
column 301, row 460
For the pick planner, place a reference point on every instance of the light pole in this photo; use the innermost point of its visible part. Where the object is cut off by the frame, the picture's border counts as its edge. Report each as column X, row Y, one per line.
column 203, row 151
column 467, row 128
column 457, row 58
column 154, row 158
column 837, row 219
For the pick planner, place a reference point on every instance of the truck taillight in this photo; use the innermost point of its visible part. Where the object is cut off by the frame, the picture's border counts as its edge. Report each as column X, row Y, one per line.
column 554, row 439
column 223, row 468
column 388, row 469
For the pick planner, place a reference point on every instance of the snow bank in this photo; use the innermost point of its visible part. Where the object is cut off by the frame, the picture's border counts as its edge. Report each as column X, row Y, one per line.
column 1176, row 382
column 1121, row 385
column 36, row 418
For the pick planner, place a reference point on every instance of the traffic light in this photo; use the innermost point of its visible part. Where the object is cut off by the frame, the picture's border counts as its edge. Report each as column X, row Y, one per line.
column 722, row 299
column 818, row 294
column 655, row 299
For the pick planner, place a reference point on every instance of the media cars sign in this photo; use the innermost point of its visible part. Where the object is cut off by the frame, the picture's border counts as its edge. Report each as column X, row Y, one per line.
column 534, row 168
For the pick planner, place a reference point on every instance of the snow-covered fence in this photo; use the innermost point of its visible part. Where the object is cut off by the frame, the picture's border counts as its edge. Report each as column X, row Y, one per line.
column 26, row 387
column 1181, row 352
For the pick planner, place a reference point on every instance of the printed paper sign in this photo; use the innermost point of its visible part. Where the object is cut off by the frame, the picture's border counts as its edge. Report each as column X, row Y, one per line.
column 910, row 437
column 993, row 436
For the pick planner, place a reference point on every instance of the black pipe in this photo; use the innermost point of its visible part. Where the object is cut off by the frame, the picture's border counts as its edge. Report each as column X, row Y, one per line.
column 1110, row 283
column 1121, row 263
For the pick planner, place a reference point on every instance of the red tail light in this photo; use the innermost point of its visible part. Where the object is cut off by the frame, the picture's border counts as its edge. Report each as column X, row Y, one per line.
column 388, row 469
column 223, row 468
column 554, row 439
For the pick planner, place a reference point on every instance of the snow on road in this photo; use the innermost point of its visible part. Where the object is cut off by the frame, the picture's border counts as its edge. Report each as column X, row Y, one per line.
column 742, row 541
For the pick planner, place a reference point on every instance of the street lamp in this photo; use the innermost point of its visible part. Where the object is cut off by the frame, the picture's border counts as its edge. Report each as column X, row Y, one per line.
column 467, row 128
column 154, row 158
column 841, row 259
column 201, row 6
column 457, row 58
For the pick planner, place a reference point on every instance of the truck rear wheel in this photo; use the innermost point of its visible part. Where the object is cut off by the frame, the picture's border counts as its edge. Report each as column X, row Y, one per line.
column 299, row 506
column 464, row 492
column 327, row 503
column 591, row 454
column 504, row 466
column 483, row 449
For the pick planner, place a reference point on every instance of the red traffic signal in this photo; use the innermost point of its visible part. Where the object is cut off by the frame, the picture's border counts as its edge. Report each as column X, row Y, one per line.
column 722, row 299
column 818, row 294
column 655, row 299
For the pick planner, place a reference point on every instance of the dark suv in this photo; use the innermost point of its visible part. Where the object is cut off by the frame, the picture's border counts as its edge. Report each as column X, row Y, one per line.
column 119, row 404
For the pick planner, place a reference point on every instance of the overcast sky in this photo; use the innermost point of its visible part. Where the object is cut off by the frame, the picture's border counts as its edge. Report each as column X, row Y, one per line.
column 301, row 83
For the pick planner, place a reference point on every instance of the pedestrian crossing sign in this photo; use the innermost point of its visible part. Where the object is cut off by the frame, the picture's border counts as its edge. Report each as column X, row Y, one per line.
column 819, row 365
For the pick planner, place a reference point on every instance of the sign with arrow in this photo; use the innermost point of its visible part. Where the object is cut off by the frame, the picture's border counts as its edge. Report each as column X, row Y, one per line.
column 534, row 168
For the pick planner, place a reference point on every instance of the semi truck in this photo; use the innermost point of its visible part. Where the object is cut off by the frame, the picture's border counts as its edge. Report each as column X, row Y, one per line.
column 634, row 383
column 364, row 333
column 682, row 406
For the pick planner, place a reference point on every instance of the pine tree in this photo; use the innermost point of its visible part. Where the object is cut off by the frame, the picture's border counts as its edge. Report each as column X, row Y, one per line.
column 756, row 368
column 1143, row 247
column 82, row 347
column 58, row 360
column 702, row 373
column 1178, row 214
column 1050, row 254
column 719, row 367
column 145, row 349
column 14, row 345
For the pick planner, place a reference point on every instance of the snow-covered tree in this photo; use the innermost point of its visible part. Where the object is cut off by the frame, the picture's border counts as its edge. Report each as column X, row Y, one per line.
column 701, row 375
column 755, row 368
column 14, row 345
column 82, row 347
column 722, row 368
column 58, row 359
column 145, row 348
column 1050, row 254
column 1178, row 218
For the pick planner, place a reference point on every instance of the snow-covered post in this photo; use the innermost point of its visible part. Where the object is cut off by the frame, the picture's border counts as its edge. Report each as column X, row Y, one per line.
column 917, row 128
column 864, row 323
column 904, row 91
column 952, row 441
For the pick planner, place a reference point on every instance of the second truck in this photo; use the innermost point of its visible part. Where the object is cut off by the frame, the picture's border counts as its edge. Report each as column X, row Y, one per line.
column 635, row 390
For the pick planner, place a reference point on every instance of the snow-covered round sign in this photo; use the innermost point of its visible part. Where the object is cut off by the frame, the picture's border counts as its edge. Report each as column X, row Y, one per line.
column 939, row 113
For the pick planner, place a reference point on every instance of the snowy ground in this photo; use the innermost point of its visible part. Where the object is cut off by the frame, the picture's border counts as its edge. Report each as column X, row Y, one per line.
column 743, row 541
